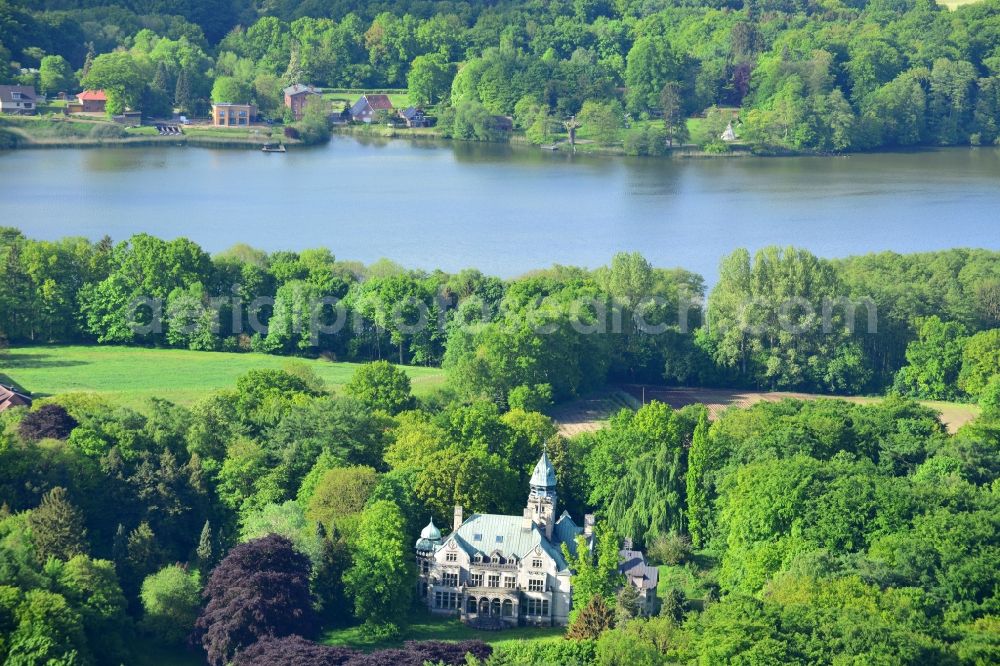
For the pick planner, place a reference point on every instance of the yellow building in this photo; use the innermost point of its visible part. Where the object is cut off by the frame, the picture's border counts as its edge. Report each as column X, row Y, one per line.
column 233, row 115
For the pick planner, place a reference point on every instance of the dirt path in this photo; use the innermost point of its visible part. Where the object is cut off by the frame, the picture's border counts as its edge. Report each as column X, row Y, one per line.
column 590, row 413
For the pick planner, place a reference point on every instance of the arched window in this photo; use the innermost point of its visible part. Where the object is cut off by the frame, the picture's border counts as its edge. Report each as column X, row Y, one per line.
column 508, row 608
column 470, row 605
column 484, row 606
column 495, row 608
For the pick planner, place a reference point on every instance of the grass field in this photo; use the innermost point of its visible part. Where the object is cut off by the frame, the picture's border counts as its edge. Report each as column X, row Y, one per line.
column 130, row 375
column 400, row 98
column 425, row 627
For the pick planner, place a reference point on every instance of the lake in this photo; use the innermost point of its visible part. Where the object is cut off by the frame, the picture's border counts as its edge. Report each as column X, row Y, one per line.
column 507, row 209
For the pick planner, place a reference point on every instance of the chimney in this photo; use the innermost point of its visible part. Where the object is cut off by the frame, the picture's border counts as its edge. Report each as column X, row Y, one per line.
column 526, row 520
column 588, row 525
column 458, row 517
column 549, row 525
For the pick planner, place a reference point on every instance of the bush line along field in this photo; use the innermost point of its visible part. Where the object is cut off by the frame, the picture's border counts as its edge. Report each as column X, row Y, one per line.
column 129, row 375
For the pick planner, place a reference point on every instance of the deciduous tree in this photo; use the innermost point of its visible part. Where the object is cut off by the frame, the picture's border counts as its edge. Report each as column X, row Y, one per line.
column 380, row 579
column 261, row 588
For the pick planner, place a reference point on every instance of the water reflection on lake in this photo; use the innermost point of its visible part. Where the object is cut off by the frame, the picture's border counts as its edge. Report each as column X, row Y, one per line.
column 507, row 209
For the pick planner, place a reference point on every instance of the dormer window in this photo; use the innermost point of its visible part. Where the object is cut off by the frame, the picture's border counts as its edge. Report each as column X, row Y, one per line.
column 477, row 537
column 499, row 538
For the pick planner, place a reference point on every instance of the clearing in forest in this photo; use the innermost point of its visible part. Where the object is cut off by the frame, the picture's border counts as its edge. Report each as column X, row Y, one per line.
column 589, row 414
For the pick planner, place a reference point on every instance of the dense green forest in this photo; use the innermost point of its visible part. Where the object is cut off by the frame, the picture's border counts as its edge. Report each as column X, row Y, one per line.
column 808, row 76
column 923, row 325
column 794, row 533
column 245, row 525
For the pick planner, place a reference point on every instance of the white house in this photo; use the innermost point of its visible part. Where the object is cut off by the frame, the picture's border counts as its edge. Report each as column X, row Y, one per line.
column 495, row 571
column 18, row 100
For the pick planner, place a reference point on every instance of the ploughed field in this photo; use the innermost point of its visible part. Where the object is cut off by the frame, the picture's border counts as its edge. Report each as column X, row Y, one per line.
column 130, row 375
column 589, row 413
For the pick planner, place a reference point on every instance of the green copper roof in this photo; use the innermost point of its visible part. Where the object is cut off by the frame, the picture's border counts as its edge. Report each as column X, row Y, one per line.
column 430, row 532
column 566, row 532
column 544, row 474
column 485, row 533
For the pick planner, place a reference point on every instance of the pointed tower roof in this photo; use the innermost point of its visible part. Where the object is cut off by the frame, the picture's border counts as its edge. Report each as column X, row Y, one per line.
column 544, row 475
column 430, row 538
column 430, row 532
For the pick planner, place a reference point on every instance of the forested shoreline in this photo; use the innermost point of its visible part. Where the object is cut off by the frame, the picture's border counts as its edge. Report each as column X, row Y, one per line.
column 922, row 325
column 815, row 77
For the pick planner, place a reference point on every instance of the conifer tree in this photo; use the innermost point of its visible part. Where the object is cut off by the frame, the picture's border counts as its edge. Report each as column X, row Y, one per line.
column 628, row 605
column 143, row 551
column 57, row 527
column 119, row 547
column 161, row 79
column 205, row 551
column 182, row 92
column 592, row 620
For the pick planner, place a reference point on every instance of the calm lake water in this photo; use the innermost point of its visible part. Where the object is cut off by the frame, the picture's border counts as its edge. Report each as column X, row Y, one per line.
column 506, row 210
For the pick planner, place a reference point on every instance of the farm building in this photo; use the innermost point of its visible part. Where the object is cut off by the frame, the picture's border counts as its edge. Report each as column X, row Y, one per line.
column 365, row 109
column 92, row 101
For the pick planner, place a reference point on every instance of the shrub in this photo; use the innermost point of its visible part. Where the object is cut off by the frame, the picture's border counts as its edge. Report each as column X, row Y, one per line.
column 171, row 599
column 670, row 549
column 530, row 398
column 47, row 422
column 544, row 653
column 107, row 131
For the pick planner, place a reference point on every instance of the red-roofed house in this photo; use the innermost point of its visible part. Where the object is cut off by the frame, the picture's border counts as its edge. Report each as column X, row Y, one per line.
column 93, row 101
column 12, row 398
column 364, row 109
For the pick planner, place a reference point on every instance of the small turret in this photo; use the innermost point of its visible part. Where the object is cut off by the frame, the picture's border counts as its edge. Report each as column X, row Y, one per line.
column 430, row 538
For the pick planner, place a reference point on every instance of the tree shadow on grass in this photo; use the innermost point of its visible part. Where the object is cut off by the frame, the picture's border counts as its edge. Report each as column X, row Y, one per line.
column 6, row 380
column 33, row 360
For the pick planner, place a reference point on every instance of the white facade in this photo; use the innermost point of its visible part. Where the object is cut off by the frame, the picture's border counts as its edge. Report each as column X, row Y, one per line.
column 495, row 570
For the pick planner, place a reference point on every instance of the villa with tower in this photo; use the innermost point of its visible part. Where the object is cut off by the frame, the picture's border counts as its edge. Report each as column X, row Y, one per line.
column 496, row 571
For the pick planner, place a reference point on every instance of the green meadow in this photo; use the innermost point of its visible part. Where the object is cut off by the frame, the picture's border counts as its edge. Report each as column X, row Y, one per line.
column 130, row 375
